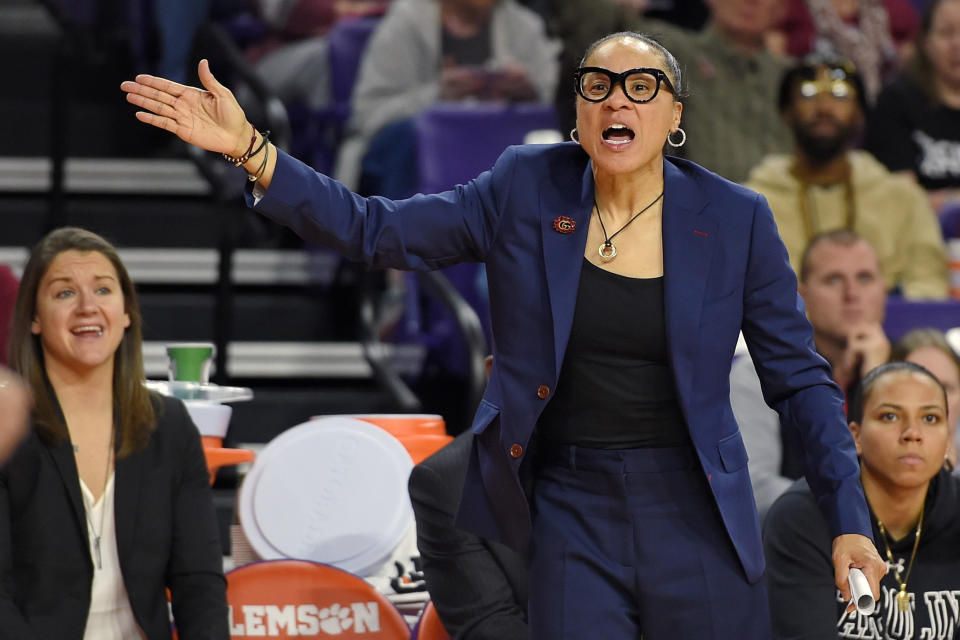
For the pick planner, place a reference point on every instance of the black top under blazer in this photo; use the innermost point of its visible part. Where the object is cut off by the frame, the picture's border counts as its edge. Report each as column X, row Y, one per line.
column 166, row 529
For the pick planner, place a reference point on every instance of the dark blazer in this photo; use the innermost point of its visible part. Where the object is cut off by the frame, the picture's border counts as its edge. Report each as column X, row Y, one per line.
column 725, row 270
column 166, row 531
column 479, row 587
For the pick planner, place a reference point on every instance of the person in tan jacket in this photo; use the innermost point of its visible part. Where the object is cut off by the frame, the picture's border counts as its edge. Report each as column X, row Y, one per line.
column 826, row 185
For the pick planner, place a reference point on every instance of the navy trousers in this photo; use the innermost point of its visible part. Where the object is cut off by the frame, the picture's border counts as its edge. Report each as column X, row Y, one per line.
column 629, row 544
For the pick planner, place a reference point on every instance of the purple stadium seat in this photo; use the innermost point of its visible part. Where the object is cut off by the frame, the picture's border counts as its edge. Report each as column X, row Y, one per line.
column 455, row 143
column 458, row 141
column 950, row 220
column 348, row 39
column 904, row 315
column 318, row 133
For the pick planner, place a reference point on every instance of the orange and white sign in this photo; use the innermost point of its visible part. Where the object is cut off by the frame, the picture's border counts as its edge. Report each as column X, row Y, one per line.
column 299, row 599
column 346, row 620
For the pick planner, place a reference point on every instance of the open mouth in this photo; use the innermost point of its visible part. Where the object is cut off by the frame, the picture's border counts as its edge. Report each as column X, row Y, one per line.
column 618, row 134
column 88, row 330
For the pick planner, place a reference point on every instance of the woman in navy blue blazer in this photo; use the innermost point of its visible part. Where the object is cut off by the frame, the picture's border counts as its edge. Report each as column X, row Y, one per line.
column 619, row 283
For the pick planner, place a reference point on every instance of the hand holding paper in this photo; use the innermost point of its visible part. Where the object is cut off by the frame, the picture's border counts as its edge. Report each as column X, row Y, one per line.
column 860, row 592
column 855, row 552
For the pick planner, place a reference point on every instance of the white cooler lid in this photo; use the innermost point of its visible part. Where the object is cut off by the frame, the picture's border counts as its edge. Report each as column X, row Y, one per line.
column 332, row 490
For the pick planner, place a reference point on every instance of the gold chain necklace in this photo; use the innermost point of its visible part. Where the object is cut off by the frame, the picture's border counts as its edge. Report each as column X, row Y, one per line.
column 607, row 251
column 903, row 600
column 802, row 174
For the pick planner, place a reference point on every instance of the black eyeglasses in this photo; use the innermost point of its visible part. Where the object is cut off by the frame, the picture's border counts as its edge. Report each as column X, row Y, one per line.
column 594, row 84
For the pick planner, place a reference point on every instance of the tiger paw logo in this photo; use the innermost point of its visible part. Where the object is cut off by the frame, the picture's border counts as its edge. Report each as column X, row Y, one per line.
column 335, row 620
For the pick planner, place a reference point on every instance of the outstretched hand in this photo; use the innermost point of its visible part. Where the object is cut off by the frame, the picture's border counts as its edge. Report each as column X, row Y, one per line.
column 211, row 119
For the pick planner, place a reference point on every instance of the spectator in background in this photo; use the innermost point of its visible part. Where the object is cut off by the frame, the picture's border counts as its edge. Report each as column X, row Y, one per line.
column 177, row 22
column 293, row 60
column 730, row 120
column 688, row 14
column 899, row 422
column 425, row 51
column 876, row 35
column 915, row 127
column 825, row 185
column 929, row 349
column 8, row 296
column 841, row 284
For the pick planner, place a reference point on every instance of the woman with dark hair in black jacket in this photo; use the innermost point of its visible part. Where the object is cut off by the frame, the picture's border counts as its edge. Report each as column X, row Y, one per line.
column 899, row 422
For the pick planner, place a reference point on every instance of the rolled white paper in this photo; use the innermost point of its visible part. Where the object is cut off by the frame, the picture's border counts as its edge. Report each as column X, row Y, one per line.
column 860, row 592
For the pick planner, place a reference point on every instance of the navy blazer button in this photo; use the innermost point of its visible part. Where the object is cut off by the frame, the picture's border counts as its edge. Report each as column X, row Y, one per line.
column 543, row 391
column 516, row 451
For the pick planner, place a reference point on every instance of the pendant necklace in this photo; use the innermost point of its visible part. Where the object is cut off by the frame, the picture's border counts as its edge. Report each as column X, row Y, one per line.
column 97, row 535
column 607, row 251
column 903, row 599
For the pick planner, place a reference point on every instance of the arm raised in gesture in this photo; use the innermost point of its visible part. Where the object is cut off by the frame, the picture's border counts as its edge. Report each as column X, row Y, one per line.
column 210, row 118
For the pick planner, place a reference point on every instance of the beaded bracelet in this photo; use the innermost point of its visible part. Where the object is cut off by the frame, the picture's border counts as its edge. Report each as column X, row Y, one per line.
column 246, row 156
column 249, row 154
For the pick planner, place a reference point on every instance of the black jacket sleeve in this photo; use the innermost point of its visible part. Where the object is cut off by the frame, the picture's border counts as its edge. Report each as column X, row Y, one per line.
column 477, row 587
column 14, row 625
column 797, row 545
column 195, row 567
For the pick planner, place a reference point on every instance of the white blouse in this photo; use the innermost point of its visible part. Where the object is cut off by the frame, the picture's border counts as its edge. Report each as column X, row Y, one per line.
column 110, row 616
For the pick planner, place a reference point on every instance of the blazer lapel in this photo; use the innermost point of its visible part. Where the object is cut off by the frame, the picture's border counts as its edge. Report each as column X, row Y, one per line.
column 563, row 252
column 66, row 465
column 128, row 478
column 689, row 240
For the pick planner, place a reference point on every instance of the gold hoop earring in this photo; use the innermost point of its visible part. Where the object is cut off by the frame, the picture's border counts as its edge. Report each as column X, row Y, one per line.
column 574, row 135
column 683, row 138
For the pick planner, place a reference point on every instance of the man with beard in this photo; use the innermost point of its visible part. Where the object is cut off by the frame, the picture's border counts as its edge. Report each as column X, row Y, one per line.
column 842, row 287
column 826, row 185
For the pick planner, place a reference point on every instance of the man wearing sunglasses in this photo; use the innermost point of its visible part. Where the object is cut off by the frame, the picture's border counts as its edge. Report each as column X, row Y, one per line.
column 826, row 184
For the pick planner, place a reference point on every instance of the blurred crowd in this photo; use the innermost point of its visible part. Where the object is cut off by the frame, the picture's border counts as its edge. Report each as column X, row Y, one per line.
column 842, row 113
